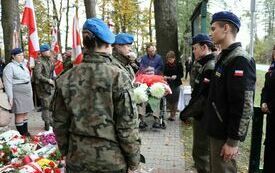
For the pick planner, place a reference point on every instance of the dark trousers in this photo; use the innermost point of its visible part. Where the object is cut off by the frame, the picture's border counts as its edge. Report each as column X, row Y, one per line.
column 200, row 148
column 269, row 165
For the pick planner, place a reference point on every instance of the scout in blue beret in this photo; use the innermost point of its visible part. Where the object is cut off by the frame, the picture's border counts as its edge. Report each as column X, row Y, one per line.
column 16, row 51
column 99, row 29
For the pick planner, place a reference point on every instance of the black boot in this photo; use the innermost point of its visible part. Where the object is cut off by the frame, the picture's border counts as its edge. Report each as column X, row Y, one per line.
column 47, row 126
column 25, row 127
column 20, row 128
column 142, row 125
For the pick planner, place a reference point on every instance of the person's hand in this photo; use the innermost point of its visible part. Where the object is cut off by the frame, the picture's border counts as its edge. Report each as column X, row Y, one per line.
column 11, row 102
column 229, row 152
column 264, row 108
column 51, row 82
column 173, row 77
column 166, row 77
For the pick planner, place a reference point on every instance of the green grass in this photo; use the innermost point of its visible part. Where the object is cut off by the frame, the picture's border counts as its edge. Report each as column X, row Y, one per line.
column 243, row 160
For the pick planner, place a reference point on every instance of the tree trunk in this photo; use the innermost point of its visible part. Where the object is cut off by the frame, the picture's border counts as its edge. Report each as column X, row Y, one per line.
column 103, row 9
column 90, row 8
column 67, row 24
column 150, row 20
column 166, row 26
column 10, row 21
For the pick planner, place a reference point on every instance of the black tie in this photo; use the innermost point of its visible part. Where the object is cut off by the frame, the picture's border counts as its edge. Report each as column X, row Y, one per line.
column 20, row 65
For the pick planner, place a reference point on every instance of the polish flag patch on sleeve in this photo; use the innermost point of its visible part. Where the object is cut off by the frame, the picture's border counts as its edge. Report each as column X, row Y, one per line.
column 205, row 80
column 238, row 73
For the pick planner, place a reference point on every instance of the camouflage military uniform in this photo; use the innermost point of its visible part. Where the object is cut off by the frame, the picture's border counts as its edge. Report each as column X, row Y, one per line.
column 95, row 118
column 43, row 72
column 123, row 63
column 194, row 72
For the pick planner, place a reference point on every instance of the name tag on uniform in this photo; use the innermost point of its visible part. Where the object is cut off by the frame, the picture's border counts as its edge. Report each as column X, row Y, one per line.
column 238, row 73
column 218, row 74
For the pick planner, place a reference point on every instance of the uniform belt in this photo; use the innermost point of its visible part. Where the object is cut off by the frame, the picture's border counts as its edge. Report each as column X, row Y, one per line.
column 22, row 83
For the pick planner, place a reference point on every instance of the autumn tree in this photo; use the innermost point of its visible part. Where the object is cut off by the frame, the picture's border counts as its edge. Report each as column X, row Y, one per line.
column 124, row 15
column 185, row 9
column 166, row 26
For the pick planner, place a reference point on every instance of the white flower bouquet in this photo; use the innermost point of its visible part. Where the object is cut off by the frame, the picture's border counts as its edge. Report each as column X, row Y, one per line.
column 151, row 94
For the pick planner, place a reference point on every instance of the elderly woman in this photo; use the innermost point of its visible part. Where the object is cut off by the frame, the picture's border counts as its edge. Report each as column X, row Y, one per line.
column 17, row 82
column 173, row 72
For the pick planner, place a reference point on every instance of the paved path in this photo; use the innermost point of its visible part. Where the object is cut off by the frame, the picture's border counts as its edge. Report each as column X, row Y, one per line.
column 162, row 148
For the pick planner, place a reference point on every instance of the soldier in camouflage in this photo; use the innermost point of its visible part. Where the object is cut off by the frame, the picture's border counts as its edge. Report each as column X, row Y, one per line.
column 44, row 75
column 122, row 51
column 95, row 117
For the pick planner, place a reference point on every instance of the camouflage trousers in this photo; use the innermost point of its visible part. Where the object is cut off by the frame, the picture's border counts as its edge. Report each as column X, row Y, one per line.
column 46, row 113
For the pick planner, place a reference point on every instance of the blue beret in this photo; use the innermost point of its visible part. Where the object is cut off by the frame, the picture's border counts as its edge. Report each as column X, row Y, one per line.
column 201, row 38
column 227, row 16
column 44, row 47
column 124, row 38
column 99, row 29
column 16, row 51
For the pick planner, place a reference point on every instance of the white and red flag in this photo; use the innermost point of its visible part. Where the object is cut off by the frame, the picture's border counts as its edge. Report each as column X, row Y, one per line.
column 54, row 42
column 76, row 48
column 58, row 66
column 30, row 21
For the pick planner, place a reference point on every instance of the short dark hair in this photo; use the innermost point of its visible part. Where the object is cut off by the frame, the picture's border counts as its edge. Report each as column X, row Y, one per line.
column 148, row 45
column 209, row 45
column 234, row 29
column 90, row 41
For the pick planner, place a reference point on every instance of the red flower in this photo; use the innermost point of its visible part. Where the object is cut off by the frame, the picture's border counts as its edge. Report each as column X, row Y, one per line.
column 52, row 164
column 47, row 170
column 57, row 170
column 14, row 150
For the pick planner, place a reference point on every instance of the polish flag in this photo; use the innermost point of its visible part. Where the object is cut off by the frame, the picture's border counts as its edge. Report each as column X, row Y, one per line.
column 58, row 65
column 30, row 21
column 54, row 42
column 76, row 48
column 238, row 73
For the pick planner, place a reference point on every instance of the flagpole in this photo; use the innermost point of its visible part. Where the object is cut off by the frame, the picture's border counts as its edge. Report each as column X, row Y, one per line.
column 76, row 8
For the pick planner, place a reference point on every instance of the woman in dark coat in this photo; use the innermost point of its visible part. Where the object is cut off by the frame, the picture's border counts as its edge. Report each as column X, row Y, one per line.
column 268, row 106
column 173, row 72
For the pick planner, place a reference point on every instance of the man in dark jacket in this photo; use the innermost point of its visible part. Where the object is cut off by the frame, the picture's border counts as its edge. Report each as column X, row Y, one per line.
column 231, row 92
